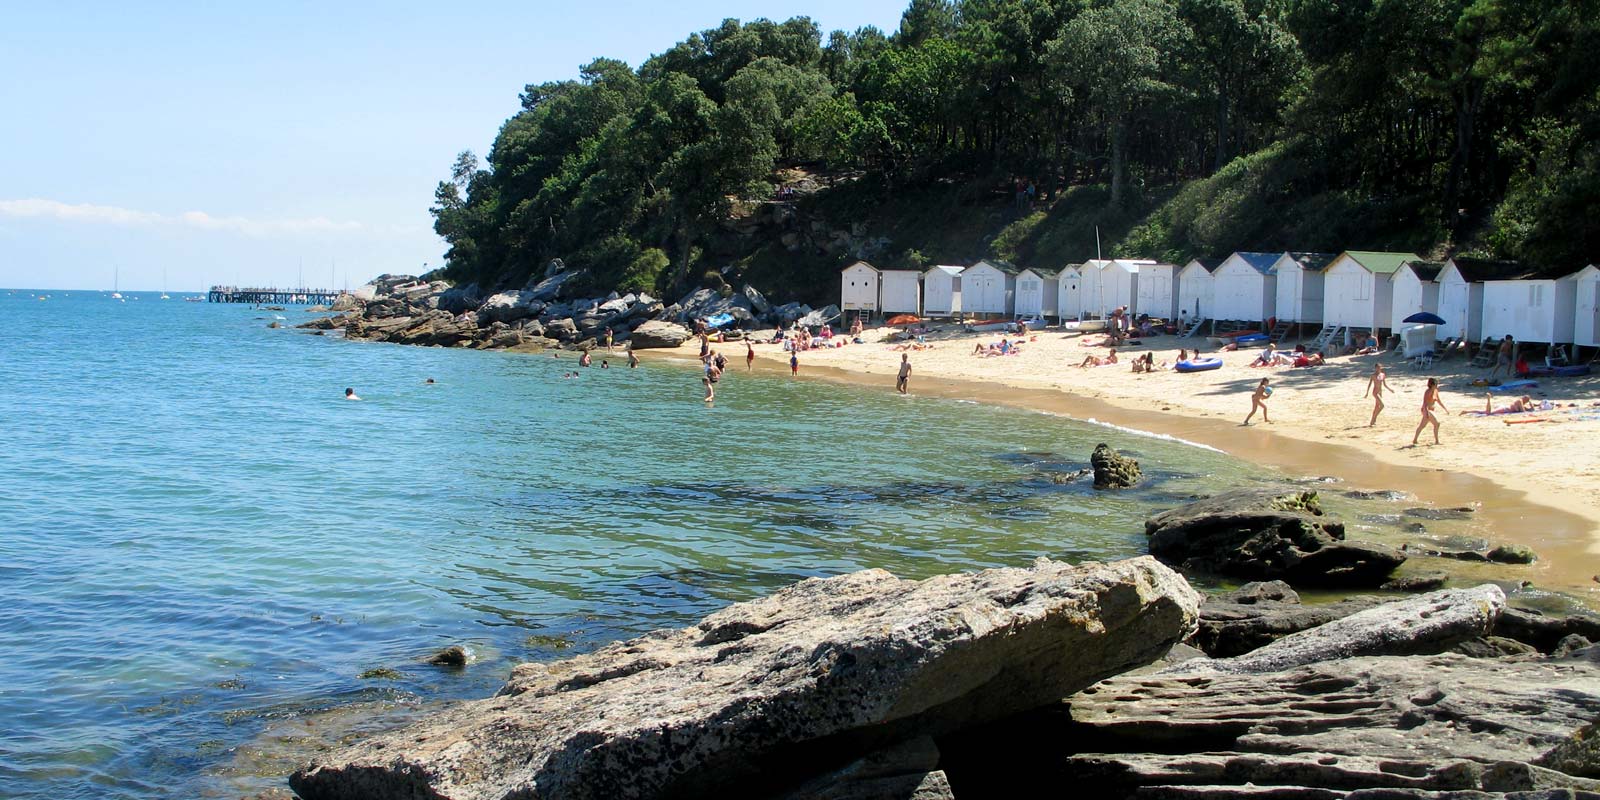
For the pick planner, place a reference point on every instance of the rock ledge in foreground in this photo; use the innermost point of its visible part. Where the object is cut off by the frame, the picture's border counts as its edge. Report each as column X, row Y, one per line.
column 762, row 695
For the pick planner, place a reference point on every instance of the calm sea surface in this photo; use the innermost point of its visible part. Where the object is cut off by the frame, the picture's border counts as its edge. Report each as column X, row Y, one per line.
column 200, row 540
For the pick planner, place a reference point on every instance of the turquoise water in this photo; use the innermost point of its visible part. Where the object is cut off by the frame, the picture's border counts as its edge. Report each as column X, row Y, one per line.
column 202, row 539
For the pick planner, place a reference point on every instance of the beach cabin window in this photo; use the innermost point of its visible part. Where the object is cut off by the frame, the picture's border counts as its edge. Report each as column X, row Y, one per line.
column 1535, row 295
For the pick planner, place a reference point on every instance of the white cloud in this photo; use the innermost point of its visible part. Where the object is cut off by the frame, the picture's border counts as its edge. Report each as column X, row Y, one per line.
column 112, row 215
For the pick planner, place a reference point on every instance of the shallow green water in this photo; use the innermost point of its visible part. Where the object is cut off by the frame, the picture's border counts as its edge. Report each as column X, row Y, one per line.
column 201, row 537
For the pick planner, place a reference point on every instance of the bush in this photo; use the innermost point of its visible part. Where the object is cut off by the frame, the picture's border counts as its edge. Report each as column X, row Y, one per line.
column 644, row 274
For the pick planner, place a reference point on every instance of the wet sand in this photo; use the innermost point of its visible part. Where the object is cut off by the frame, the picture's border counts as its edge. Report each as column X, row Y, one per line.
column 1531, row 484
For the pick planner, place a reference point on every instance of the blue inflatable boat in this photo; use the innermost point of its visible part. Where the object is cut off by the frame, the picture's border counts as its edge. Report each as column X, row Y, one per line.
column 1197, row 365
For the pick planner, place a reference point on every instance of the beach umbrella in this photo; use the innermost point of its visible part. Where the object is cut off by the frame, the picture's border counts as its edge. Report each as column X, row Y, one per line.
column 1424, row 318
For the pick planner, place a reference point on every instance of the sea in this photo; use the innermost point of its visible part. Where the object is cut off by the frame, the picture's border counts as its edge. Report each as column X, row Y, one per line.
column 212, row 564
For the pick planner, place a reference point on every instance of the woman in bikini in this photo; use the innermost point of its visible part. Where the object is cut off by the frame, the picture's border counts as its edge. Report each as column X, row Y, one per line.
column 1258, row 402
column 1376, row 386
column 1430, row 398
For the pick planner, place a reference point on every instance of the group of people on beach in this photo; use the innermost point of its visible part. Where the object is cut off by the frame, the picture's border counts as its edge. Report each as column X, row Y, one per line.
column 1377, row 384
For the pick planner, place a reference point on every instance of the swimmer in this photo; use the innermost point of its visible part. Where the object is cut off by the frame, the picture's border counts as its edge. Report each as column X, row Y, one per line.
column 633, row 360
column 605, row 364
column 350, row 394
column 428, row 382
column 905, row 373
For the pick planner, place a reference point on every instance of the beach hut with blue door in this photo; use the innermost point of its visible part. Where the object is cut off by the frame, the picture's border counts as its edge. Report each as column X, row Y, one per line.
column 1300, row 286
column 1158, row 290
column 1195, row 287
column 1415, row 288
column 1244, row 288
column 858, row 287
column 900, row 291
column 941, row 291
column 1586, row 323
column 1357, row 291
column 1537, row 306
column 989, row 288
column 1037, row 293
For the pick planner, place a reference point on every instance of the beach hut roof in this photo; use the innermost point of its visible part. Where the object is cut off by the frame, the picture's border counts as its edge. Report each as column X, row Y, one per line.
column 1004, row 266
column 1427, row 271
column 946, row 269
column 1260, row 262
column 1044, row 272
column 854, row 264
column 1313, row 262
column 1477, row 270
column 1380, row 263
column 1210, row 264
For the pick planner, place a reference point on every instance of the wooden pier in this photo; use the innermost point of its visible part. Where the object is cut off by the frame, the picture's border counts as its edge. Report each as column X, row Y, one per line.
column 272, row 296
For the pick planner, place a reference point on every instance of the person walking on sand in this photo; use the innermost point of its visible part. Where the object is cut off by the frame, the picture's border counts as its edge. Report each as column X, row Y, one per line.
column 794, row 364
column 1502, row 359
column 1258, row 401
column 905, row 374
column 1376, row 386
column 749, row 355
column 1430, row 398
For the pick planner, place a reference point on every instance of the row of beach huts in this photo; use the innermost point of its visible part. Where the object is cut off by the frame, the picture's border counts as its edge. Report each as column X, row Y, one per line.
column 1344, row 295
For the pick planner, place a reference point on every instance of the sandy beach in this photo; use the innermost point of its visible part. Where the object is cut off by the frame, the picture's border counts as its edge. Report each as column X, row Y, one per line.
column 1534, row 479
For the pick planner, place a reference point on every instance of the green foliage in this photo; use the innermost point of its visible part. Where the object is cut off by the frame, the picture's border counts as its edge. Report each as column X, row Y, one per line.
column 1173, row 128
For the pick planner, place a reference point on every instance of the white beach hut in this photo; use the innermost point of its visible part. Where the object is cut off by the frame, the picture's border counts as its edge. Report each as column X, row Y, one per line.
column 1414, row 288
column 1537, row 307
column 1116, row 285
column 1300, row 286
column 1195, row 288
column 1461, row 294
column 1069, row 292
column 1357, row 292
column 941, row 291
column 901, row 291
column 1037, row 293
column 858, row 287
column 1586, row 322
column 1158, row 290
column 988, row 287
column 1244, row 288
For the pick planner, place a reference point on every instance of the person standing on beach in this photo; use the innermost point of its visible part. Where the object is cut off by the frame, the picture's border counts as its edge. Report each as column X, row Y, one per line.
column 794, row 364
column 1258, row 401
column 905, row 373
column 1376, row 386
column 608, row 340
column 1502, row 359
column 1430, row 398
column 633, row 359
column 749, row 354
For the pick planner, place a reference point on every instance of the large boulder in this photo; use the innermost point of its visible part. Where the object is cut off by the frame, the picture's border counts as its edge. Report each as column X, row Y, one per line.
column 562, row 329
column 1113, row 470
column 1229, row 627
column 347, row 302
column 550, row 288
column 657, row 334
column 1266, row 534
column 460, row 299
column 509, row 306
column 821, row 316
column 758, row 303
column 763, row 695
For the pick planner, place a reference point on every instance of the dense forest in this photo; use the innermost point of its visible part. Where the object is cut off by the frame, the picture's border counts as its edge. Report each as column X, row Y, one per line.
column 1163, row 128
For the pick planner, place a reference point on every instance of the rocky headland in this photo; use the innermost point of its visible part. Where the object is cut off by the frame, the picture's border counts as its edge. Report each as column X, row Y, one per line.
column 550, row 312
column 1098, row 680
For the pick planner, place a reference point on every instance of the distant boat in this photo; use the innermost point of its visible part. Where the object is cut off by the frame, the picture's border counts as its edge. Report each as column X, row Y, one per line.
column 164, row 284
column 116, row 289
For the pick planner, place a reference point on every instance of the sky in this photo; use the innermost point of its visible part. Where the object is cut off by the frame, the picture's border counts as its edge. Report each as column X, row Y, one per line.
column 178, row 145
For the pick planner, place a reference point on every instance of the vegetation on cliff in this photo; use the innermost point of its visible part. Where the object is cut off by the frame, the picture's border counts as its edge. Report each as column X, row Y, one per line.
column 1167, row 128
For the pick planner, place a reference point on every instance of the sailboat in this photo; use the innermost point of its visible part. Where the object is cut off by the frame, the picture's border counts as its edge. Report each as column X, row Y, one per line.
column 164, row 284
column 116, row 277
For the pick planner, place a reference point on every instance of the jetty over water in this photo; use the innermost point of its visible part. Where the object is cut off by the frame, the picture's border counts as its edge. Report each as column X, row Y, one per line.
column 273, row 295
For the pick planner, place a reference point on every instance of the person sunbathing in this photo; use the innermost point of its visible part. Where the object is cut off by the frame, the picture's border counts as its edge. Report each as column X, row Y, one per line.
column 1520, row 405
column 1096, row 361
column 1313, row 360
column 1145, row 363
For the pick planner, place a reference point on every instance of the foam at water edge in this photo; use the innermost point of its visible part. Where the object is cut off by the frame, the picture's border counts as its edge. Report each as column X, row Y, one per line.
column 1150, row 435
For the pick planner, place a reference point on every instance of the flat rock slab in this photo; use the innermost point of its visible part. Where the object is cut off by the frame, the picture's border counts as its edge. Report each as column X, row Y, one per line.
column 764, row 694
column 1413, row 724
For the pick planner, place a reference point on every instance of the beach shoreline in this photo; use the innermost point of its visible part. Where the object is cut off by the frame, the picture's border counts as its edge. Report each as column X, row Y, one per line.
column 1533, row 494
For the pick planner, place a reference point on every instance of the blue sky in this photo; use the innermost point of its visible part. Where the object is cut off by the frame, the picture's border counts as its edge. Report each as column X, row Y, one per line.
column 233, row 142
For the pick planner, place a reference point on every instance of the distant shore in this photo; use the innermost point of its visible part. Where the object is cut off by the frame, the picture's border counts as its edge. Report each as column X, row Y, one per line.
column 1533, row 484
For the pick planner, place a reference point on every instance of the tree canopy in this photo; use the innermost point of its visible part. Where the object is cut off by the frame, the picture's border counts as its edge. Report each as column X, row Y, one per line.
column 1462, row 124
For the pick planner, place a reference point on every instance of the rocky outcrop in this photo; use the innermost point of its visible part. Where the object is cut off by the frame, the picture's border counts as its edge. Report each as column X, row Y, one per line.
column 1230, row 628
column 659, row 335
column 1336, row 729
column 764, row 695
column 1425, row 624
column 1267, row 534
column 510, row 306
column 1113, row 470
